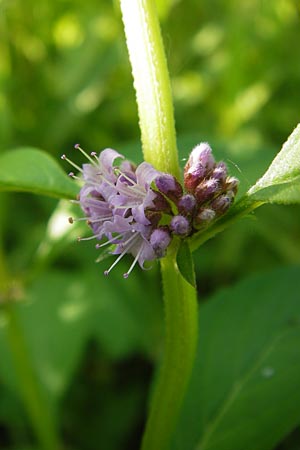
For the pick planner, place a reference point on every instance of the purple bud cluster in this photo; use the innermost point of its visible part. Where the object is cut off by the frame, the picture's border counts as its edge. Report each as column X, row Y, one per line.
column 209, row 184
column 138, row 210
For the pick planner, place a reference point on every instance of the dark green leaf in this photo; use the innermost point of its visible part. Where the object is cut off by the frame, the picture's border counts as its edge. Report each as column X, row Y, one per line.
column 281, row 182
column 185, row 263
column 245, row 389
column 63, row 310
column 32, row 170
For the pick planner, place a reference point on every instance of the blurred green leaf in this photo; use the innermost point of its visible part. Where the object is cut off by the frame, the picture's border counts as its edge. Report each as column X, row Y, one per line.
column 245, row 389
column 281, row 182
column 63, row 310
column 32, row 170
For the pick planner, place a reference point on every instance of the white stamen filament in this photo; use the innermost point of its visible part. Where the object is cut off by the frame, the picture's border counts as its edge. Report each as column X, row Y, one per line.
column 79, row 239
column 126, row 248
column 86, row 155
column 72, row 163
column 101, row 219
column 132, row 205
column 133, row 184
column 126, row 274
column 113, row 240
column 105, row 180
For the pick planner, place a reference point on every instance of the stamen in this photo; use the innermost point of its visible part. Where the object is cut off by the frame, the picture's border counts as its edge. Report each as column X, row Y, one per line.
column 72, row 175
column 72, row 163
column 119, row 172
column 113, row 240
column 126, row 248
column 106, row 272
column 132, row 205
column 101, row 219
column 133, row 184
column 79, row 239
column 126, row 274
column 77, row 219
column 77, row 146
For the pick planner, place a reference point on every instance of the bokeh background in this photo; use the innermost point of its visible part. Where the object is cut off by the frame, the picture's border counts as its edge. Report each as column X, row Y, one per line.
column 65, row 78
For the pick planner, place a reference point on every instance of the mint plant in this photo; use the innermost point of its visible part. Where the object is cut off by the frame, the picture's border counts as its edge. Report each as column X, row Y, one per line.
column 156, row 210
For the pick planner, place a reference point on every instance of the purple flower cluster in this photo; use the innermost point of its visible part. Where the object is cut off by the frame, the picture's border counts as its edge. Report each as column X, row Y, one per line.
column 138, row 210
column 120, row 205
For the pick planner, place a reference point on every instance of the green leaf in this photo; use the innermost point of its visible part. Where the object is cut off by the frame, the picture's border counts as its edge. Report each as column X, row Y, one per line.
column 62, row 311
column 185, row 262
column 281, row 182
column 245, row 388
column 32, row 170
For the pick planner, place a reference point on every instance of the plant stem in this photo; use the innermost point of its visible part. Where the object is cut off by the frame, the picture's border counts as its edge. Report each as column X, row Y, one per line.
column 37, row 409
column 152, row 84
column 180, row 345
column 154, row 99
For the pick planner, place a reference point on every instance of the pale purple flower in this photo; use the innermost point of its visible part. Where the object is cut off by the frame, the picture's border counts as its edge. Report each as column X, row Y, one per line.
column 119, row 204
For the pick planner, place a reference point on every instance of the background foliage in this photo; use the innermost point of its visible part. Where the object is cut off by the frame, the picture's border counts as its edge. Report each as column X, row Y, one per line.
column 95, row 341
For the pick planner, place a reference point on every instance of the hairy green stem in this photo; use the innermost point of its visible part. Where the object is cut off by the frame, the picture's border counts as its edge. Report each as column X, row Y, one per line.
column 155, row 107
column 180, row 345
column 38, row 412
column 152, row 84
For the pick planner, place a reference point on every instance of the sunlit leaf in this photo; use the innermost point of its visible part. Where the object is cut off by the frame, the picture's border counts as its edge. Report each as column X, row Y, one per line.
column 281, row 182
column 32, row 170
column 245, row 389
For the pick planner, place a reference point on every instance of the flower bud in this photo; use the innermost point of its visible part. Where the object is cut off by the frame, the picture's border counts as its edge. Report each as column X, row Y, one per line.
column 169, row 186
column 200, row 163
column 159, row 240
column 221, row 203
column 207, row 190
column 231, row 184
column 180, row 225
column 220, row 172
column 187, row 204
column 205, row 215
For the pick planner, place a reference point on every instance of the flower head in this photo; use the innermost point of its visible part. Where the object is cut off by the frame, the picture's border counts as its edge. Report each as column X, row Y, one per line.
column 138, row 210
column 120, row 205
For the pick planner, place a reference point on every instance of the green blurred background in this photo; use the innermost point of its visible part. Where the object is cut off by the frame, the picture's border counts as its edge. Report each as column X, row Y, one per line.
column 65, row 78
column 65, row 75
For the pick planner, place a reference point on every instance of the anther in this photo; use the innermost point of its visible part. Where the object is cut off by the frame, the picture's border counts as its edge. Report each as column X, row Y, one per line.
column 77, row 146
column 71, row 162
column 71, row 220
